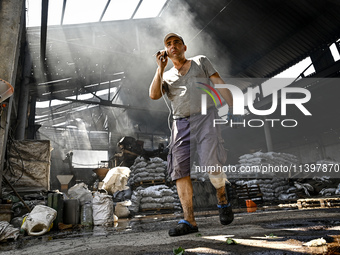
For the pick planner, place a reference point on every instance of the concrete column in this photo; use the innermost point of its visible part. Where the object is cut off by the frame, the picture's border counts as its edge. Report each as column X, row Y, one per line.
column 12, row 22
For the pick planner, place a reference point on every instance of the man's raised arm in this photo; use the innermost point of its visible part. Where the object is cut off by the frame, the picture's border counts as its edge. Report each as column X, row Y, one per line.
column 156, row 90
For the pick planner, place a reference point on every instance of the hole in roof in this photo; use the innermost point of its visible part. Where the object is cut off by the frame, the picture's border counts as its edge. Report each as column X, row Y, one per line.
column 149, row 9
column 87, row 11
column 83, row 11
column 120, row 10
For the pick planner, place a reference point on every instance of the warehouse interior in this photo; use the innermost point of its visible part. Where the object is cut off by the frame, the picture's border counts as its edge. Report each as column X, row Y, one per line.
column 80, row 77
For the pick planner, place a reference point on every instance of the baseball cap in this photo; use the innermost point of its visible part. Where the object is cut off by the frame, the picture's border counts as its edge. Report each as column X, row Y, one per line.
column 173, row 34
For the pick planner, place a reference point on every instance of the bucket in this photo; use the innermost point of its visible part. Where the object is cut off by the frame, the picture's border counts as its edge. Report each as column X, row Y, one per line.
column 101, row 172
column 71, row 211
column 251, row 206
column 39, row 221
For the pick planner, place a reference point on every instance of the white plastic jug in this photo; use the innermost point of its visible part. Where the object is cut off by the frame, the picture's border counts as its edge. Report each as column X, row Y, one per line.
column 39, row 220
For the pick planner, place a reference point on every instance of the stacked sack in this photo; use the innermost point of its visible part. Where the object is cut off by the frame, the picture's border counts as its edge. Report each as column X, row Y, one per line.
column 143, row 170
column 327, row 161
column 154, row 197
column 197, row 174
column 266, row 158
column 256, row 162
column 271, row 189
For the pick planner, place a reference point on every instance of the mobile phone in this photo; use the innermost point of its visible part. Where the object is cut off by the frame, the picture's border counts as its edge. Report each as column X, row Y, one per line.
column 163, row 58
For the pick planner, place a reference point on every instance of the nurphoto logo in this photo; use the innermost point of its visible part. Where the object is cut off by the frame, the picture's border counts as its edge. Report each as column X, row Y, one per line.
column 239, row 106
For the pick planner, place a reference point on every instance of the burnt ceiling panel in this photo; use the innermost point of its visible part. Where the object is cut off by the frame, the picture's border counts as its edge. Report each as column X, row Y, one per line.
column 244, row 39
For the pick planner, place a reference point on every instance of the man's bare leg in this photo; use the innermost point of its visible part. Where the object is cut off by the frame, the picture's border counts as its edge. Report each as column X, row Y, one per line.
column 221, row 196
column 185, row 193
column 218, row 180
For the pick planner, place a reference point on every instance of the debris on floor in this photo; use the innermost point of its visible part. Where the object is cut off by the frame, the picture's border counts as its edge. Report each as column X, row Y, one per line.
column 316, row 242
column 39, row 220
column 8, row 232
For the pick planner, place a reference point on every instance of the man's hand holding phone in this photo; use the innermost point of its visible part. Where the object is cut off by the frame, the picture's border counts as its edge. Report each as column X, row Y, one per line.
column 162, row 58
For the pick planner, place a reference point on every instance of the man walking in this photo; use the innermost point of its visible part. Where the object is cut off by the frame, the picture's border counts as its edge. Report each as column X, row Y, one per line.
column 191, row 132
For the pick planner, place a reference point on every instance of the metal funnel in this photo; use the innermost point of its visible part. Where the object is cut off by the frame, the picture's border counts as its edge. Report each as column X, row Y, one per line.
column 64, row 180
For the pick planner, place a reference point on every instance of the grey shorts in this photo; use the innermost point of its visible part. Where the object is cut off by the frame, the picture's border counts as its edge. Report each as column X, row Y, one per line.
column 194, row 139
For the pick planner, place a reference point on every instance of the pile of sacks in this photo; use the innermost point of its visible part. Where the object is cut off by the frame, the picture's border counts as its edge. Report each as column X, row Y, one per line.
column 154, row 197
column 266, row 158
column 101, row 204
column 272, row 189
column 281, row 189
column 143, row 170
column 198, row 174
column 262, row 163
column 323, row 186
column 327, row 161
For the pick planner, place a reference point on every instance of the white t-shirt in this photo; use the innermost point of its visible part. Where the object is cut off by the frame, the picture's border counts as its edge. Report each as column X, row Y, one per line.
column 183, row 91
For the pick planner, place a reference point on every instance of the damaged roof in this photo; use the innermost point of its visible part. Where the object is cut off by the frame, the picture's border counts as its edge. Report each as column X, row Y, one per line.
column 263, row 38
column 249, row 39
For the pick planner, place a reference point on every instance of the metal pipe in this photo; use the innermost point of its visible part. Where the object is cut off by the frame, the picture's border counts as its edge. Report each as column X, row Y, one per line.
column 16, row 193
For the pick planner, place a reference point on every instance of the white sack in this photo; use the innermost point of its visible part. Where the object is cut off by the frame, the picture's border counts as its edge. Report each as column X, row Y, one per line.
column 121, row 209
column 102, row 209
column 80, row 192
column 116, row 179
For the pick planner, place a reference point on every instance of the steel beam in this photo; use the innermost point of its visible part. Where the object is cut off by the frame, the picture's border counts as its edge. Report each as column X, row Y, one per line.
column 43, row 30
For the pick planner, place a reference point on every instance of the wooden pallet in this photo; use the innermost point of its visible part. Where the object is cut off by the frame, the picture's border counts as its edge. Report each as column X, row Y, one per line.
column 318, row 203
column 157, row 210
column 149, row 183
column 243, row 193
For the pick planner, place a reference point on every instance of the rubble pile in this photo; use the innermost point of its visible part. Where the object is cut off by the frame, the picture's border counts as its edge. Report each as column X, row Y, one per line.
column 7, row 231
column 31, row 200
column 143, row 170
column 154, row 197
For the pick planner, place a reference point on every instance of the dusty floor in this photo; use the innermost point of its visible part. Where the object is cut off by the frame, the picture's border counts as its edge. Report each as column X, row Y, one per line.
column 275, row 232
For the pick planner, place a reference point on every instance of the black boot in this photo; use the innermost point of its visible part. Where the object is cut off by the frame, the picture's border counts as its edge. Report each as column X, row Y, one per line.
column 226, row 214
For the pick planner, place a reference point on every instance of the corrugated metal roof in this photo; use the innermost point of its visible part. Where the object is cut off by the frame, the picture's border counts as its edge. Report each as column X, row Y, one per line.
column 262, row 38
column 254, row 39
